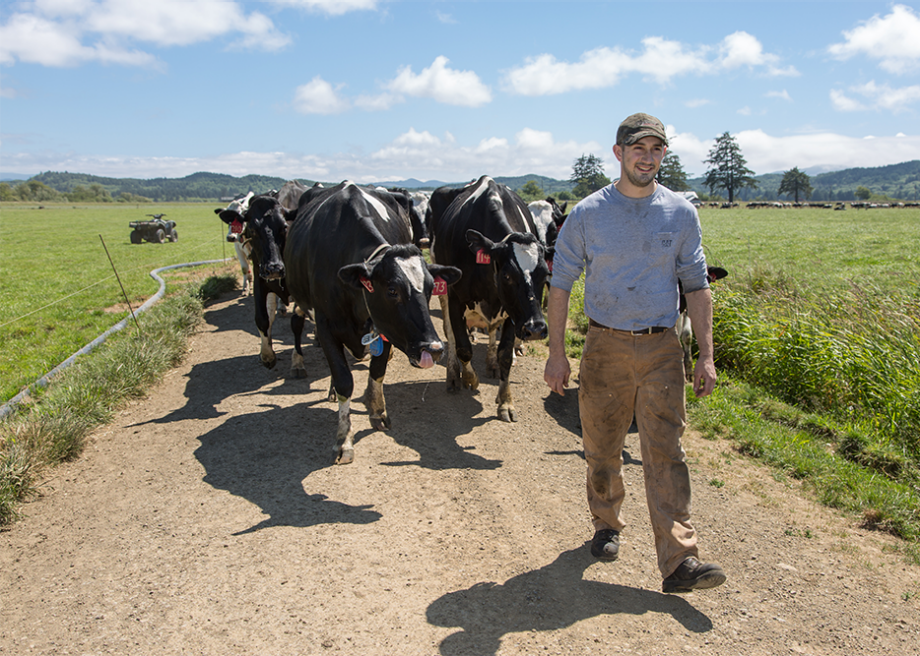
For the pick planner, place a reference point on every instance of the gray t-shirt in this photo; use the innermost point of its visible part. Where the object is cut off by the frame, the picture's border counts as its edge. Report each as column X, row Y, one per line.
column 633, row 252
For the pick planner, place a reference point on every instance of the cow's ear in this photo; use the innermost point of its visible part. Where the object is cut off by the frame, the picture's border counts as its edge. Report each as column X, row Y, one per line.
column 219, row 210
column 353, row 275
column 289, row 215
column 479, row 242
column 716, row 273
column 449, row 274
column 229, row 216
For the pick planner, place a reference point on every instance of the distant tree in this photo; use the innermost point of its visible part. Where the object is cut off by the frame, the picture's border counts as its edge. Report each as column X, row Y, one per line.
column 35, row 191
column 588, row 175
column 531, row 191
column 6, row 192
column 671, row 174
column 728, row 169
column 862, row 193
column 794, row 183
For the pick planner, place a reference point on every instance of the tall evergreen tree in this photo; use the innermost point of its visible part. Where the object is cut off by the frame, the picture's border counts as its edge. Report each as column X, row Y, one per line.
column 795, row 182
column 672, row 174
column 728, row 169
column 588, row 175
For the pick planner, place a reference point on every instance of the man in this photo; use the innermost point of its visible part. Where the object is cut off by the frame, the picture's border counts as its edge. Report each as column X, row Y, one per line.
column 635, row 239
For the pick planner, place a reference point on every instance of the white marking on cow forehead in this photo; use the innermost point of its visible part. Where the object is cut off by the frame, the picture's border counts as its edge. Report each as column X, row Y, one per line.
column 527, row 256
column 412, row 268
column 379, row 207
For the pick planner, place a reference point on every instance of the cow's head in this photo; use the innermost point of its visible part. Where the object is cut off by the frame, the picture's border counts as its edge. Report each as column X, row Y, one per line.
column 265, row 225
column 233, row 215
column 397, row 285
column 520, row 268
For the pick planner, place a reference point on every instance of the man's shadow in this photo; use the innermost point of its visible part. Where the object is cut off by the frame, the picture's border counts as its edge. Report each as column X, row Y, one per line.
column 550, row 598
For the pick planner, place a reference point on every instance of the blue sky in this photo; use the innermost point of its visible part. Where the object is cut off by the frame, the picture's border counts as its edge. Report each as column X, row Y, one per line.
column 373, row 90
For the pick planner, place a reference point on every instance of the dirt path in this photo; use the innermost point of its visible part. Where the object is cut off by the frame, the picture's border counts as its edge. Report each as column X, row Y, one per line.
column 209, row 519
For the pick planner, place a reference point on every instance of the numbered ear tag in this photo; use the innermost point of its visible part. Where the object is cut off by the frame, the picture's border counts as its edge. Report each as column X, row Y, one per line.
column 367, row 285
column 482, row 257
column 440, row 287
column 236, row 227
column 549, row 265
column 376, row 347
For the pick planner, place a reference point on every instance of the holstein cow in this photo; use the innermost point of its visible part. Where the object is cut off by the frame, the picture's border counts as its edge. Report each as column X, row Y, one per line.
column 684, row 328
column 350, row 258
column 235, row 236
column 548, row 217
column 489, row 234
column 265, row 227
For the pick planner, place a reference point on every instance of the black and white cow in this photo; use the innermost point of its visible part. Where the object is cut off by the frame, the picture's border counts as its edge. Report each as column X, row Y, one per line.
column 265, row 227
column 488, row 232
column 548, row 217
column 350, row 258
column 235, row 236
column 684, row 327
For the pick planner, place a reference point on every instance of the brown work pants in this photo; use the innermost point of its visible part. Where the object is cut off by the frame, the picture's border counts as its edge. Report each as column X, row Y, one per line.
column 622, row 375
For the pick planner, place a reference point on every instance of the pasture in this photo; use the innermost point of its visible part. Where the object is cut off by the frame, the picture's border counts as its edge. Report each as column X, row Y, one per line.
column 59, row 291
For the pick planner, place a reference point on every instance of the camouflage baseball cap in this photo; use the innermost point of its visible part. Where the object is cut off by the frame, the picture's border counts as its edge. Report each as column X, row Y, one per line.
column 640, row 125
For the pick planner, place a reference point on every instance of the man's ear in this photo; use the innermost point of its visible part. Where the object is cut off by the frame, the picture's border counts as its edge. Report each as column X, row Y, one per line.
column 618, row 152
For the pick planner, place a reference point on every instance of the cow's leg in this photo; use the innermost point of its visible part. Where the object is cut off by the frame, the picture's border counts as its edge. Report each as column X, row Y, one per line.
column 343, row 385
column 505, row 357
column 298, row 321
column 265, row 315
column 373, row 396
column 459, row 366
column 244, row 266
column 685, row 333
column 492, row 352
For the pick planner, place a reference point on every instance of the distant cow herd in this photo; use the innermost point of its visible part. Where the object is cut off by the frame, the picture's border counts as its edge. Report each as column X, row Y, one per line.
column 351, row 258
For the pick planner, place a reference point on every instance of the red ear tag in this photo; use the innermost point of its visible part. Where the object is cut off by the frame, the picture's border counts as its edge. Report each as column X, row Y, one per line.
column 549, row 265
column 367, row 285
column 440, row 287
column 236, row 227
column 482, row 257
column 384, row 337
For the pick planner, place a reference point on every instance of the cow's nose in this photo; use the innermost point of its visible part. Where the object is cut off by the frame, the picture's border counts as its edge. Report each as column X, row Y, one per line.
column 436, row 349
column 272, row 271
column 534, row 330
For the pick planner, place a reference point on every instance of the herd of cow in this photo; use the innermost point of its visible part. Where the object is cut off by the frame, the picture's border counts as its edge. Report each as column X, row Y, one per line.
column 351, row 256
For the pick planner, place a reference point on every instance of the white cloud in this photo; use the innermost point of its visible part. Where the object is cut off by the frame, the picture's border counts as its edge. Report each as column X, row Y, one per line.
column 878, row 96
column 767, row 153
column 319, row 97
column 893, row 39
column 697, row 102
column 331, row 7
column 442, row 84
column 660, row 59
column 782, row 95
column 59, row 33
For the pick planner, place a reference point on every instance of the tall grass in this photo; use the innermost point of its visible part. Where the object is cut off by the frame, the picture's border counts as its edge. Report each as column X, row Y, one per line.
column 88, row 393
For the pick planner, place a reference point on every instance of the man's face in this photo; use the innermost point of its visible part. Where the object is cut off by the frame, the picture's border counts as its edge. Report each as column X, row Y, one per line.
column 641, row 160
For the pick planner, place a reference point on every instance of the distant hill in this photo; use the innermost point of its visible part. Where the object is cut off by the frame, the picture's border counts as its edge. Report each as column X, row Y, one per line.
column 216, row 186
column 900, row 181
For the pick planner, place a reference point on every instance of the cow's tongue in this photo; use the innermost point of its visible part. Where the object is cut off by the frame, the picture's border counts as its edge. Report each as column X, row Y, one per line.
column 425, row 362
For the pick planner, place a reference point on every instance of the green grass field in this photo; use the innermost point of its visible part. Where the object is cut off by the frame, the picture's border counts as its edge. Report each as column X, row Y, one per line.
column 58, row 290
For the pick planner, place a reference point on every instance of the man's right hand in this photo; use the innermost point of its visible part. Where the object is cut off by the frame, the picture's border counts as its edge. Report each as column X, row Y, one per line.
column 556, row 373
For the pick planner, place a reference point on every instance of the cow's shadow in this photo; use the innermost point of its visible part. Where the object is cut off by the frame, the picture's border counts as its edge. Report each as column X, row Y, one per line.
column 550, row 598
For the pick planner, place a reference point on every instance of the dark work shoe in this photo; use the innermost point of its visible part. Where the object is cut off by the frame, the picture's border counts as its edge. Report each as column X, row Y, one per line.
column 606, row 544
column 693, row 575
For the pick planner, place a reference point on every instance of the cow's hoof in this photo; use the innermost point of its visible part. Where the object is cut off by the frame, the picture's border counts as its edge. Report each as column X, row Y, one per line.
column 507, row 414
column 269, row 364
column 299, row 372
column 345, row 456
column 492, row 372
column 381, row 423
